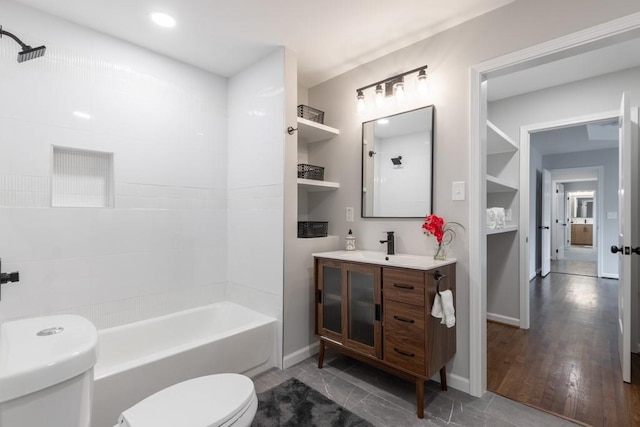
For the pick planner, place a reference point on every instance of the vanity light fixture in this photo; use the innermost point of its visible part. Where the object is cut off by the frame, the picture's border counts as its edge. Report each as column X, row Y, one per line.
column 163, row 20
column 392, row 86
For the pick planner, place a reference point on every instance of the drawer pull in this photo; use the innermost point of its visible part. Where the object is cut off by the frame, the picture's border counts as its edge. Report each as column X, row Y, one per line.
column 404, row 353
column 404, row 319
column 401, row 286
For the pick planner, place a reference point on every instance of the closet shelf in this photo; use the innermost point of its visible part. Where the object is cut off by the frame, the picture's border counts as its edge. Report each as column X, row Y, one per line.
column 498, row 185
column 498, row 141
column 310, row 131
column 315, row 185
column 505, row 229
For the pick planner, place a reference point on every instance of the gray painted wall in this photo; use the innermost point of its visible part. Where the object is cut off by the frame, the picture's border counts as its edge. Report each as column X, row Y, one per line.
column 449, row 55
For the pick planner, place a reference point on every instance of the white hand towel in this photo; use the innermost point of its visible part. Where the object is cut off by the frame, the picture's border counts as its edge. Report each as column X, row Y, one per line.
column 436, row 310
column 443, row 308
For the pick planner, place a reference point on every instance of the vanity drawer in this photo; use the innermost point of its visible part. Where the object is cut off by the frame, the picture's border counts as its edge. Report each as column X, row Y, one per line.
column 403, row 285
column 403, row 320
column 405, row 353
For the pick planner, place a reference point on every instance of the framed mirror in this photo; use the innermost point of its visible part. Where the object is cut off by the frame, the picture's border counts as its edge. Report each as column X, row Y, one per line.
column 397, row 165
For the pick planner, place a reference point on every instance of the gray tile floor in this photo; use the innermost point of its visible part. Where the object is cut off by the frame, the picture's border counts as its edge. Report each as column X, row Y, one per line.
column 387, row 401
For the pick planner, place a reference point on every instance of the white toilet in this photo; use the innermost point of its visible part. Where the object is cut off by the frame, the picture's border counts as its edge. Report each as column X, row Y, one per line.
column 220, row 400
column 46, row 379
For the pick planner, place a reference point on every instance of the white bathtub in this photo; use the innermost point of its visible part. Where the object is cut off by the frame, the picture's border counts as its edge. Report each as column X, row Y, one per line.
column 140, row 358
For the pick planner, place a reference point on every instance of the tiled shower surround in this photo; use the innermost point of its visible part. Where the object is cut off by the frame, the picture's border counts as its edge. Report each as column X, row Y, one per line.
column 164, row 245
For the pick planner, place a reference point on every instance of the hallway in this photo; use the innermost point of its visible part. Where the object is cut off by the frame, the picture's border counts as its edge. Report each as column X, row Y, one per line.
column 582, row 260
column 567, row 363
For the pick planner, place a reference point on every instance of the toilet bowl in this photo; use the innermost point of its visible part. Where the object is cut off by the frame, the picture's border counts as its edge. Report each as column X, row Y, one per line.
column 219, row 400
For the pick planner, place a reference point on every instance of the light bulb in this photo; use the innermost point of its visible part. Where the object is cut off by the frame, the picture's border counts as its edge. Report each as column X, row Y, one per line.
column 360, row 101
column 422, row 82
column 398, row 90
column 379, row 95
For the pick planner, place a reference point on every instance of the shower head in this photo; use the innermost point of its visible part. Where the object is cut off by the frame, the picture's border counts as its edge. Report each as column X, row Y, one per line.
column 27, row 52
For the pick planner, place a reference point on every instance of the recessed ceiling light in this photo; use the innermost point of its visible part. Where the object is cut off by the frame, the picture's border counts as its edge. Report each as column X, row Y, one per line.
column 383, row 121
column 164, row 20
column 82, row 115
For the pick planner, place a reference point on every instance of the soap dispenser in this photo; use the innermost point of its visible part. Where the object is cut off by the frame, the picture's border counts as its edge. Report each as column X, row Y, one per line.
column 350, row 241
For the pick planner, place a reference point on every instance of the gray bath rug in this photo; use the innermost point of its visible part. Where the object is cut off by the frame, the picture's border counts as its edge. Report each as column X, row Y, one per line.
column 295, row 404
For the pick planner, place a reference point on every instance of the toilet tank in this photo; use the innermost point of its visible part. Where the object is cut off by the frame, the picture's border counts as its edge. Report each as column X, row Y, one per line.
column 46, row 371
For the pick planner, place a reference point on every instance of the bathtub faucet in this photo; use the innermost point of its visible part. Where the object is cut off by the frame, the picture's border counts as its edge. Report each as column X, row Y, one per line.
column 391, row 245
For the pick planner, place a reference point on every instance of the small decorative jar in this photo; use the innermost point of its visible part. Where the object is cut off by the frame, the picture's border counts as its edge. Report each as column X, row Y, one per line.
column 350, row 242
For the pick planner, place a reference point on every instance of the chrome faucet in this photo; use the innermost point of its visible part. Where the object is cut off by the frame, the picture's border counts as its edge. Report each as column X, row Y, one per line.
column 391, row 243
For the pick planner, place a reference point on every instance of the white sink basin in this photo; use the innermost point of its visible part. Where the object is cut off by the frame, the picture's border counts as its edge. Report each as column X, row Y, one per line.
column 39, row 352
column 418, row 262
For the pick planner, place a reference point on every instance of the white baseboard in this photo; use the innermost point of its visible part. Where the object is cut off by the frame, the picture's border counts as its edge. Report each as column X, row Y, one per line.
column 455, row 381
column 298, row 356
column 503, row 319
column 610, row 276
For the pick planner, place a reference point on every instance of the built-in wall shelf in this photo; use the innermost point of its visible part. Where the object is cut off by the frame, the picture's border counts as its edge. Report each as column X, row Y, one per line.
column 315, row 185
column 498, row 185
column 310, row 131
column 505, row 229
column 498, row 141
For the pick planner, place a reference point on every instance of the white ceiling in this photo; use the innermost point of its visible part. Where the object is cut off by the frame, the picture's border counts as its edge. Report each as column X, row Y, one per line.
column 616, row 57
column 577, row 138
column 225, row 36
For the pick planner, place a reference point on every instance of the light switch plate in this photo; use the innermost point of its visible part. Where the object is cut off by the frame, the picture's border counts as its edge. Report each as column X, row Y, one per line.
column 457, row 190
column 349, row 214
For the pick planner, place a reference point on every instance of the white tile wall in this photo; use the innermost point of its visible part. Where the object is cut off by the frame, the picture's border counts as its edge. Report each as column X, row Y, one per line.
column 255, row 176
column 164, row 245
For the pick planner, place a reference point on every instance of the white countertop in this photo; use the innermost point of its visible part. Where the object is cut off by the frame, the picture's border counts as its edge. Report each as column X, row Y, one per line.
column 417, row 262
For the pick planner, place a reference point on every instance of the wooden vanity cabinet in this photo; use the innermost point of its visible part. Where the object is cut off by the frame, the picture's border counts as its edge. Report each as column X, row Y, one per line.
column 582, row 234
column 382, row 315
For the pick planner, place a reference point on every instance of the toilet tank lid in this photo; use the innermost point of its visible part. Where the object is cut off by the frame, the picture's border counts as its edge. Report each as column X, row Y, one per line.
column 207, row 401
column 36, row 353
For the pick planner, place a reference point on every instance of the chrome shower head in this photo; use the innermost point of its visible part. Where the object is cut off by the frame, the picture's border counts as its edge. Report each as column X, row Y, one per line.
column 27, row 52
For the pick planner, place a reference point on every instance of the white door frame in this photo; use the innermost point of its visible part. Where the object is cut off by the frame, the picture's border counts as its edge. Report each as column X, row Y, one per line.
column 598, row 214
column 608, row 33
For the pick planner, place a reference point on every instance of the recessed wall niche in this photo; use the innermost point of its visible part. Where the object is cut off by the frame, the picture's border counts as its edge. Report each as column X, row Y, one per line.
column 81, row 178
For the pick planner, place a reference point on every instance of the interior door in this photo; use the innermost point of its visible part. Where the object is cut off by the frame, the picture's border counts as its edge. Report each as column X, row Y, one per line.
column 626, row 231
column 545, row 227
column 560, row 223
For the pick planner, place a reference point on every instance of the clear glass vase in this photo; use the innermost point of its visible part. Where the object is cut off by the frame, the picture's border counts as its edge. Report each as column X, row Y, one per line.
column 440, row 252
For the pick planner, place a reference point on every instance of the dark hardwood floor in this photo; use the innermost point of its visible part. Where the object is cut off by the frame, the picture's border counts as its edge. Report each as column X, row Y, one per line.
column 567, row 362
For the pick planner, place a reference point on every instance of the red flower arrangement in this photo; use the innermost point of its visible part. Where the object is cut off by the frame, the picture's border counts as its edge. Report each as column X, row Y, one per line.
column 434, row 226
column 444, row 234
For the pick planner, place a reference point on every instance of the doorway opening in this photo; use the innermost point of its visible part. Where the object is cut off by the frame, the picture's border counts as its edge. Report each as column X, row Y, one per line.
column 544, row 54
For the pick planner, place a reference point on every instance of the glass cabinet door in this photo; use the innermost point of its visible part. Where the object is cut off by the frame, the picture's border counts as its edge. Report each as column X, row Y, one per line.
column 363, row 307
column 329, row 299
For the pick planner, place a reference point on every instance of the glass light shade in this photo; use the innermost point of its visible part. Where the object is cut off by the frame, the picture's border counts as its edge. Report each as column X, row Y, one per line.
column 398, row 90
column 360, row 101
column 379, row 95
column 422, row 82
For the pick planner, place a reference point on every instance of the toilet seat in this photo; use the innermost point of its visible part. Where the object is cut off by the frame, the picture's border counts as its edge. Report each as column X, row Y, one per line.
column 211, row 401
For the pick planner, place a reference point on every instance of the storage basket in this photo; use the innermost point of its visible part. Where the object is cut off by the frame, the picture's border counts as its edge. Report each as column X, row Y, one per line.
column 313, row 228
column 310, row 172
column 310, row 113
